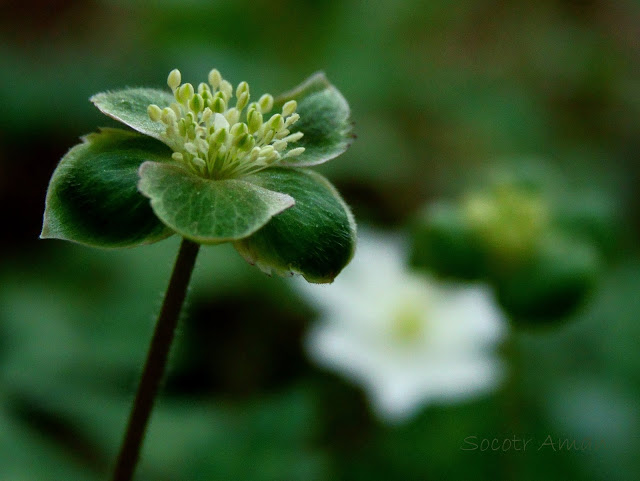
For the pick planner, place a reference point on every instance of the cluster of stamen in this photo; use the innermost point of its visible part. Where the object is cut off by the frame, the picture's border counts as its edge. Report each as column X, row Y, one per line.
column 218, row 141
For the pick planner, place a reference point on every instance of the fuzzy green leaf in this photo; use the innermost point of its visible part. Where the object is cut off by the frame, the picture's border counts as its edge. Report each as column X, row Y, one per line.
column 129, row 106
column 324, row 120
column 92, row 197
column 315, row 238
column 208, row 211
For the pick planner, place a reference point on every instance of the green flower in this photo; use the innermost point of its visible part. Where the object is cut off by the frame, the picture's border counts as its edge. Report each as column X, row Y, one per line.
column 212, row 167
column 512, row 233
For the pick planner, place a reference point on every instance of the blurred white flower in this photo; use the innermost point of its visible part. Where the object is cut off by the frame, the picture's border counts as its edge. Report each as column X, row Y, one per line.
column 408, row 339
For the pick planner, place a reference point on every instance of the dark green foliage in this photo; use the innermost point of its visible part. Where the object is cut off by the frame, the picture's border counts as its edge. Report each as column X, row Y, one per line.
column 92, row 197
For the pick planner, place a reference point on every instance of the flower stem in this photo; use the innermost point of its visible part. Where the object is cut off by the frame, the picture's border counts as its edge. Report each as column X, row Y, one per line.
column 156, row 361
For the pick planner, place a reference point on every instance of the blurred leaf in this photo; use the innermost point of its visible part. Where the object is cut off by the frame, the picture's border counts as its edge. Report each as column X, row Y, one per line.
column 583, row 376
column 26, row 456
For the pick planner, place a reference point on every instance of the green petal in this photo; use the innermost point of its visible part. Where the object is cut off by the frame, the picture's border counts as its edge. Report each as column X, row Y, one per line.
column 315, row 238
column 92, row 197
column 324, row 120
column 129, row 106
column 205, row 210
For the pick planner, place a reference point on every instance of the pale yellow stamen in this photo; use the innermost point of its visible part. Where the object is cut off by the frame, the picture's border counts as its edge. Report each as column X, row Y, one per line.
column 220, row 141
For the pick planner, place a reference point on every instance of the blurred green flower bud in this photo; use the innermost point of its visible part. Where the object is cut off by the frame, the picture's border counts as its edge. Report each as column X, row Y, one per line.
column 443, row 243
column 509, row 220
column 553, row 284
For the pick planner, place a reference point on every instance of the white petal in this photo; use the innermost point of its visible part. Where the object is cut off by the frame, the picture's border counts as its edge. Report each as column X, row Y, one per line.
column 451, row 358
column 376, row 269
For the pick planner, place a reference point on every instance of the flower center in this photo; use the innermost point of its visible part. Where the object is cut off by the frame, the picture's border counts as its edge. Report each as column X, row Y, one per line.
column 218, row 141
column 509, row 220
column 408, row 320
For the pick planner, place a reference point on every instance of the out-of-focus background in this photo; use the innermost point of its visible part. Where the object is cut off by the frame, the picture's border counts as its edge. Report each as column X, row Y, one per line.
column 443, row 95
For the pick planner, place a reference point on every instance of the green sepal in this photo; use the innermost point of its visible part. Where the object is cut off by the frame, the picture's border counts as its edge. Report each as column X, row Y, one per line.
column 92, row 197
column 553, row 284
column 205, row 210
column 315, row 238
column 129, row 106
column 442, row 242
column 324, row 120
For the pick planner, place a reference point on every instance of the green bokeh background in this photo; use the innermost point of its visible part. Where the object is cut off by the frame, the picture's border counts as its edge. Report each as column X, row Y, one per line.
column 441, row 94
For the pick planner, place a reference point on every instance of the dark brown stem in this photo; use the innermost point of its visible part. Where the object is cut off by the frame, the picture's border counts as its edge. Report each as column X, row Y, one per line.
column 156, row 361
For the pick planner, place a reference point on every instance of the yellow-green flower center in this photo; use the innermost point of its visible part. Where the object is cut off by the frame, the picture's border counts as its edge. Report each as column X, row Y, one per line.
column 218, row 141
column 409, row 318
column 408, row 323
column 510, row 220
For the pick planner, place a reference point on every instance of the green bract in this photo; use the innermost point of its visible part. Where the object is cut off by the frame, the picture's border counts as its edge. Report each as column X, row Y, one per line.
column 212, row 167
